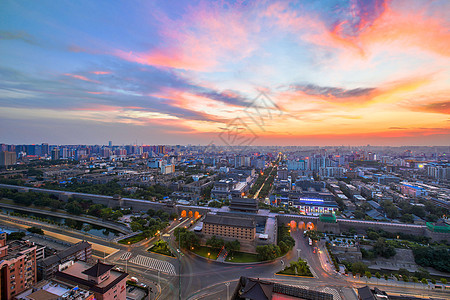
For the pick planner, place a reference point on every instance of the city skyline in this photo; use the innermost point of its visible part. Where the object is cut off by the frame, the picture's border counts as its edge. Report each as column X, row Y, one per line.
column 312, row 73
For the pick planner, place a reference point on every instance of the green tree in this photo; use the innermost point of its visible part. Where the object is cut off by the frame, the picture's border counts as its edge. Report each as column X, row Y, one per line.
column 407, row 218
column 233, row 246
column 378, row 275
column 18, row 235
column 185, row 238
column 74, row 208
column 215, row 242
column 216, row 204
column 383, row 249
column 386, row 277
column 368, row 274
column 359, row 267
column 424, row 281
column 268, row 252
column 443, row 280
column 35, row 230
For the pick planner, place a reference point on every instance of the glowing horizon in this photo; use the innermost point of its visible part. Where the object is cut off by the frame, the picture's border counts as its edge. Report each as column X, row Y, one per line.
column 335, row 72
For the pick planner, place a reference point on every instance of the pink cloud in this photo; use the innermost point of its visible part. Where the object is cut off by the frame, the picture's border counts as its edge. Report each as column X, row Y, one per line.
column 81, row 77
column 201, row 40
column 100, row 72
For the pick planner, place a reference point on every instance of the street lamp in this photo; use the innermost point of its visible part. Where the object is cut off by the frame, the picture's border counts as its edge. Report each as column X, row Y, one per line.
column 228, row 288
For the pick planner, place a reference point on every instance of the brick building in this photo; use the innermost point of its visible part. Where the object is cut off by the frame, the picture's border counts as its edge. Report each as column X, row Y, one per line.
column 241, row 228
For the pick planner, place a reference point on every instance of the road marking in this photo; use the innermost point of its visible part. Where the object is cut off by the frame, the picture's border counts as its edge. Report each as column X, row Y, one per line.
column 333, row 292
column 125, row 256
column 155, row 264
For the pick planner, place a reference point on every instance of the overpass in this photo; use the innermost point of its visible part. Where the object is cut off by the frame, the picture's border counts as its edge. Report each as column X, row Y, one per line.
column 295, row 221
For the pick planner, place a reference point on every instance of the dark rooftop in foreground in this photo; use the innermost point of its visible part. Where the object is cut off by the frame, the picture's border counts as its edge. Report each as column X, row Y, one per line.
column 256, row 289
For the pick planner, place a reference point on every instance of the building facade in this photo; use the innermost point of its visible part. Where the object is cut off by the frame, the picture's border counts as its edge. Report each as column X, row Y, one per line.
column 230, row 227
column 17, row 267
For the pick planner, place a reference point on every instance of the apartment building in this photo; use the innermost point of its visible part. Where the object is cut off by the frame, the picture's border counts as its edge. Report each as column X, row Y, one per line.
column 17, row 267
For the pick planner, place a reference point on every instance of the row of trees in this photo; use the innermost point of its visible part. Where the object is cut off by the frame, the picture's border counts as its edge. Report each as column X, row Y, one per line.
column 75, row 207
column 284, row 239
column 217, row 243
column 111, row 188
column 422, row 275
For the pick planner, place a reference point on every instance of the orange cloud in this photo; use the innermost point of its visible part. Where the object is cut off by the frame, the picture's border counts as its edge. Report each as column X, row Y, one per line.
column 412, row 28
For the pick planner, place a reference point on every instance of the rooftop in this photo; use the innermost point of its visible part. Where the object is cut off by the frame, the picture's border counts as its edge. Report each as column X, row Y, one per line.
column 237, row 221
column 98, row 269
column 75, row 274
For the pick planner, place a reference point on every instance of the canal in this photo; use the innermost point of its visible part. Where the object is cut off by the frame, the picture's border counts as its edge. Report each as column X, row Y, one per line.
column 92, row 229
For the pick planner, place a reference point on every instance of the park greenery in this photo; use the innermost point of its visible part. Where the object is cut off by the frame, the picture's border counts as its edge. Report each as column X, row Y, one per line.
column 297, row 268
column 435, row 257
column 218, row 243
column 186, row 239
column 380, row 248
column 268, row 252
column 161, row 247
column 284, row 240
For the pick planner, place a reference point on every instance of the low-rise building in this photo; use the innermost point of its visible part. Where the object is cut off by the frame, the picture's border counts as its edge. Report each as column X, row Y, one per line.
column 242, row 228
column 50, row 265
column 55, row 290
column 101, row 279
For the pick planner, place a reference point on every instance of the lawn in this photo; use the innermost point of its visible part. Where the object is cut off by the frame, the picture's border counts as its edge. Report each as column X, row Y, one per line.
column 242, row 257
column 132, row 239
column 161, row 247
column 203, row 251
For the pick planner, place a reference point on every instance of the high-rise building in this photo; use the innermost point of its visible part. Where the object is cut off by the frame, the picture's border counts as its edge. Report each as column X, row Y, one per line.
column 55, row 153
column 7, row 158
column 17, row 267
column 44, row 149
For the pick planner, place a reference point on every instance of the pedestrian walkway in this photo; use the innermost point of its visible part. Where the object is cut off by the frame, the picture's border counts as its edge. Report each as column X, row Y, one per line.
column 125, row 256
column 333, row 292
column 155, row 264
column 222, row 255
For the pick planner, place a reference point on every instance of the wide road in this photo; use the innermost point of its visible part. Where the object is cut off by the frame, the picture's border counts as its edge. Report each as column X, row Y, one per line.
column 203, row 279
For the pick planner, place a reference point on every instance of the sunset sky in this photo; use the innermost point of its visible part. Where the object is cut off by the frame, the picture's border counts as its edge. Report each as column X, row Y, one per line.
column 192, row 72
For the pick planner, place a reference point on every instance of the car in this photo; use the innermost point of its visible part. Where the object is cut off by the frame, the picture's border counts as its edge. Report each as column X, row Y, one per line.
column 142, row 285
column 134, row 279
